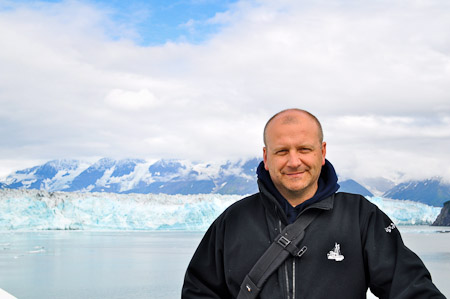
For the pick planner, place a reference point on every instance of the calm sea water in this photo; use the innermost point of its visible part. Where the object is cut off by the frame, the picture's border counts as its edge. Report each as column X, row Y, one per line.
column 81, row 264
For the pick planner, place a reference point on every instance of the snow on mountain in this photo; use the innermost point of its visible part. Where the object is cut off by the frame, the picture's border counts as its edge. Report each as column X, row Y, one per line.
column 53, row 175
column 186, row 177
column 128, row 173
column 41, row 210
column 432, row 191
column 378, row 185
column 139, row 176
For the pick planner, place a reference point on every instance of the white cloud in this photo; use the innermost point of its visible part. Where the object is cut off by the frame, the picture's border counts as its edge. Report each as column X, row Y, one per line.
column 375, row 74
column 398, row 148
column 132, row 100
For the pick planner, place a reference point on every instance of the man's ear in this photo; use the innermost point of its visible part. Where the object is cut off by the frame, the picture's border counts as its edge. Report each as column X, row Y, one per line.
column 324, row 152
column 265, row 158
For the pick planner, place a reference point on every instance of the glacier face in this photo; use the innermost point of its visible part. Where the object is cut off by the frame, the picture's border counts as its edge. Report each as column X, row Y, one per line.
column 40, row 210
column 406, row 212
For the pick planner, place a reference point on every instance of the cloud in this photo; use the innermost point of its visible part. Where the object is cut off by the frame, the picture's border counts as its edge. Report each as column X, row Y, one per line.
column 74, row 83
column 397, row 148
column 131, row 100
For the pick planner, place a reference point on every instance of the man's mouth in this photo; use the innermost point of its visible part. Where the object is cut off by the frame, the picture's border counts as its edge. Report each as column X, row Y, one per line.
column 296, row 173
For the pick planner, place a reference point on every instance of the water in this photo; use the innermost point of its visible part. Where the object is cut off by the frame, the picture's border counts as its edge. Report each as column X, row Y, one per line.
column 81, row 264
column 86, row 264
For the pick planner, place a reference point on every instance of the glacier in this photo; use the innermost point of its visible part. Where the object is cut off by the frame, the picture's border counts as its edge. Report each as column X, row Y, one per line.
column 22, row 209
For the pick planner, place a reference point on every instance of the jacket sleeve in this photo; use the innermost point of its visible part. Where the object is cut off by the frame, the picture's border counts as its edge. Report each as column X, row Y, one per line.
column 394, row 271
column 205, row 274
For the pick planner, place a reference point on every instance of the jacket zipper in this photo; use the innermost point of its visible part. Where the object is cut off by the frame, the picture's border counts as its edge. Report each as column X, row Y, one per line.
column 294, row 260
column 286, row 273
column 293, row 279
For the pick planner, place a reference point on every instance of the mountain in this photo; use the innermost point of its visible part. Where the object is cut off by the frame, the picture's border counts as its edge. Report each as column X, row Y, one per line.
column 443, row 218
column 351, row 186
column 51, row 175
column 432, row 192
column 106, row 175
column 138, row 176
column 187, row 177
column 378, row 185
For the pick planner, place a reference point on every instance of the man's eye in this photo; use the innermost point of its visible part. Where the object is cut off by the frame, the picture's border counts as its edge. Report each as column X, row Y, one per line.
column 281, row 152
column 305, row 150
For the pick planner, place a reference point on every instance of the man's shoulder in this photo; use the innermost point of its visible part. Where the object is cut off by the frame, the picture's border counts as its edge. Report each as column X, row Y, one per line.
column 246, row 203
column 354, row 202
column 346, row 200
column 242, row 208
column 351, row 198
column 246, row 216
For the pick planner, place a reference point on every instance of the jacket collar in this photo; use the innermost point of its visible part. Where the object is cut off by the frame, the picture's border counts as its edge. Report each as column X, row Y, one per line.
column 327, row 187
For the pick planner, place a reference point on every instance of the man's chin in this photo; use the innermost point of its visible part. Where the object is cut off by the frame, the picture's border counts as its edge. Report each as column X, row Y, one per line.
column 295, row 184
column 296, row 188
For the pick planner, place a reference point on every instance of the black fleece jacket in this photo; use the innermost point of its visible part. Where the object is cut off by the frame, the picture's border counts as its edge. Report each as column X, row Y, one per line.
column 371, row 254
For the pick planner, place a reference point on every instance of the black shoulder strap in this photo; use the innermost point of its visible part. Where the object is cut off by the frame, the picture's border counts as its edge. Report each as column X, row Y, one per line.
column 285, row 244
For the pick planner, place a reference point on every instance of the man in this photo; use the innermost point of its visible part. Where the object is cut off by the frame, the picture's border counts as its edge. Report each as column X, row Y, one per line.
column 351, row 245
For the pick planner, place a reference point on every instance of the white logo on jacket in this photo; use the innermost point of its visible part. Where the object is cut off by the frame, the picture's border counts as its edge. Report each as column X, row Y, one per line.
column 335, row 253
column 390, row 228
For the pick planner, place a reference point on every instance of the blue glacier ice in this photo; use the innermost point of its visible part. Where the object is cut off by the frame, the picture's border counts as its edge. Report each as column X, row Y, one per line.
column 406, row 212
column 22, row 209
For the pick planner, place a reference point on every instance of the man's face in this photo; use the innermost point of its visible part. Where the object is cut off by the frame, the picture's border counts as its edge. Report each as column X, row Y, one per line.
column 294, row 155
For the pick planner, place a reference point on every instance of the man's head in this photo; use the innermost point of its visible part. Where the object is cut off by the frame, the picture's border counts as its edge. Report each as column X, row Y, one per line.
column 293, row 110
column 294, row 153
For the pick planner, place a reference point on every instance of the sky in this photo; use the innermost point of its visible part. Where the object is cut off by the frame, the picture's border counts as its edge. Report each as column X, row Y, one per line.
column 198, row 79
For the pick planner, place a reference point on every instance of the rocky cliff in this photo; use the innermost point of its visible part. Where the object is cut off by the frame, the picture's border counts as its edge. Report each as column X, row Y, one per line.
column 444, row 217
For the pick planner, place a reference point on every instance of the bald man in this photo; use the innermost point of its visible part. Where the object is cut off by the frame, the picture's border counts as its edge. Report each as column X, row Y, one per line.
column 348, row 244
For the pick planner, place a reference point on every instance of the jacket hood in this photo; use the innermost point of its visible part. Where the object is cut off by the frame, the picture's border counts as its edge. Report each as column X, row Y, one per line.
column 326, row 187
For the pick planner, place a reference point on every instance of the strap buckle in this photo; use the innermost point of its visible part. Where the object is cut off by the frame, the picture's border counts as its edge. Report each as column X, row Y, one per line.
column 283, row 241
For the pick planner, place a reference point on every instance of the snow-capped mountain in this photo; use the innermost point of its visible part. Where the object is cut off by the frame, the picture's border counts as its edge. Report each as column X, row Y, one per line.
column 377, row 185
column 432, row 192
column 139, row 176
column 53, row 175
column 187, row 177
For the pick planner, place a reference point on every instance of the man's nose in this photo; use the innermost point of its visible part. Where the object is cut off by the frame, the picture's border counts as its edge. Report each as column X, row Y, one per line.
column 294, row 159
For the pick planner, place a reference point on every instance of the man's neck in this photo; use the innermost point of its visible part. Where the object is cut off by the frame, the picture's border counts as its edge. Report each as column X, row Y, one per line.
column 299, row 197
column 295, row 202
